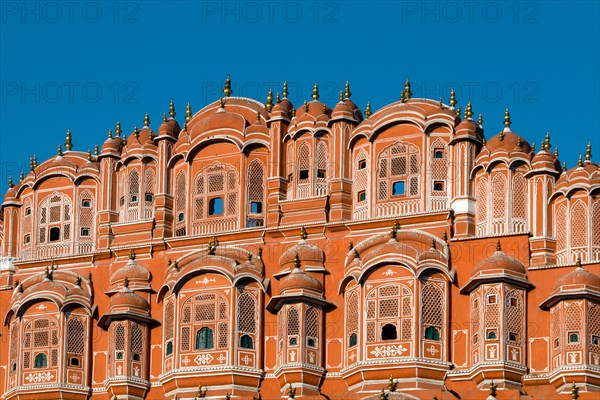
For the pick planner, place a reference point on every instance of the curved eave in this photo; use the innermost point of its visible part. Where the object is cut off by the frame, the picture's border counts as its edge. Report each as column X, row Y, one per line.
column 295, row 130
column 475, row 282
column 277, row 302
column 580, row 293
column 207, row 138
column 106, row 319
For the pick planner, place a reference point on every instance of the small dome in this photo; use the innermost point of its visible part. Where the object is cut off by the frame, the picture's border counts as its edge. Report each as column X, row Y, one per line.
column 578, row 277
column 300, row 280
column 127, row 299
column 139, row 138
column 508, row 141
column 315, row 109
column 112, row 145
column 545, row 159
column 284, row 106
column 467, row 128
column 132, row 271
column 499, row 262
column 308, row 254
column 169, row 128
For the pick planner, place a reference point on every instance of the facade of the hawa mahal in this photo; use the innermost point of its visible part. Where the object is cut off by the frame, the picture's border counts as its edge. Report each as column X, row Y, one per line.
column 269, row 251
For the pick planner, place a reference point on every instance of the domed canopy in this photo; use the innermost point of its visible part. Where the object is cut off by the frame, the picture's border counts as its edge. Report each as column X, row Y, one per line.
column 577, row 284
column 132, row 271
column 508, row 141
column 300, row 280
column 498, row 267
column 126, row 300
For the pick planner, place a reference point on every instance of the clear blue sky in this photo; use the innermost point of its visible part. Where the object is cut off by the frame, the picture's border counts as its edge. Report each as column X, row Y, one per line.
column 85, row 64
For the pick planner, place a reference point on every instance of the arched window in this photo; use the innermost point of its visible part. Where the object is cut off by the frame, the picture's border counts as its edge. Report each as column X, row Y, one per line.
column 352, row 341
column 41, row 361
column 321, row 172
column 136, row 341
column 180, row 196
column 119, row 342
column 432, row 309
column 149, row 191
column 579, row 229
column 14, row 345
column 499, row 195
column 560, row 227
column 169, row 326
column 204, row 339
column 398, row 172
column 246, row 342
column 361, row 182
column 352, row 318
column 519, row 203
column 304, row 166
column 481, row 206
column 247, row 320
column 256, row 194
column 389, row 332
column 169, row 348
column 86, row 220
column 54, row 223
column 389, row 304
column 311, row 321
column 41, row 336
column 491, row 335
column 293, row 326
column 54, row 234
column 439, row 172
column 75, row 340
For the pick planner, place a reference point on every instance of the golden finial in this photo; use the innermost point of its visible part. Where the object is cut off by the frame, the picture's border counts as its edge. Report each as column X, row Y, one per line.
column 269, row 104
column 468, row 111
column 383, row 396
column 184, row 126
column 221, row 103
column 126, row 282
column 89, row 155
column 78, row 281
column 293, row 113
column 564, row 165
column 392, row 384
column 588, row 152
column 368, row 110
column 556, row 151
column 480, row 119
column 458, row 111
column 350, row 246
column 445, row 237
column 146, row 120
column 291, row 392
column 324, row 109
column 277, row 98
column 305, row 106
column 441, row 103
column 118, row 129
column 452, row 98
column 35, row 164
column 96, row 150
column 68, row 142
column 402, row 97
column 227, row 89
column 296, row 261
column 547, row 140
column 131, row 254
column 341, row 96
column 507, row 118
column 532, row 145
column 578, row 262
column 172, row 109
column 284, row 93
column 31, row 163
column 47, row 273
column 519, row 144
column 164, row 117
column 493, row 388
column 580, row 162
column 501, row 137
column 433, row 244
column 110, row 136
column 394, row 230
column 60, row 152
column 303, row 234
column 407, row 92
column 315, row 92
column 574, row 391
column 10, row 182
column 498, row 247
column 21, row 176
column 259, row 252
column 347, row 92
column 188, row 112
column 258, row 117
column 212, row 245
column 136, row 132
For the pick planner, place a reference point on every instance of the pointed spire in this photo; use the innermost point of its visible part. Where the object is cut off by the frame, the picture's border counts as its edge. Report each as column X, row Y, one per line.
column 126, row 282
column 480, row 119
column 68, row 142
column 498, row 247
column 368, row 110
column 221, row 103
column 188, row 112
column 532, row 146
column 519, row 143
column 407, row 91
column 445, row 236
column 131, row 254
column 305, row 106
column 315, row 92
column 588, row 152
column 483, row 141
column 468, row 111
column 164, row 117
column 258, row 117
column 347, row 92
column 284, row 93
column 507, row 121
column 547, row 144
column 578, row 262
column 394, row 230
column 452, row 98
column 269, row 103
column 118, row 129
column 293, row 112
column 402, row 97
column 10, row 182
column 136, row 132
column 580, row 162
column 35, row 164
column 110, row 136
column 96, row 152
column 227, row 89
column 501, row 136
column 60, row 152
column 89, row 155
column 493, row 389
column 31, row 163
column 441, row 103
column 458, row 111
column 564, row 165
column 146, row 120
column 574, row 391
column 341, row 96
column 296, row 262
column 433, row 244
column 21, row 176
column 277, row 98
column 172, row 109
column 556, row 151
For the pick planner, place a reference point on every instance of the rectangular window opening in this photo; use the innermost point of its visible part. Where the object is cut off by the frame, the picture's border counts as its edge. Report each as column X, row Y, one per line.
column 362, row 164
column 398, row 188
column 321, row 173
column 362, row 195
column 303, row 174
column 256, row 207
column 438, row 153
column 438, row 186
